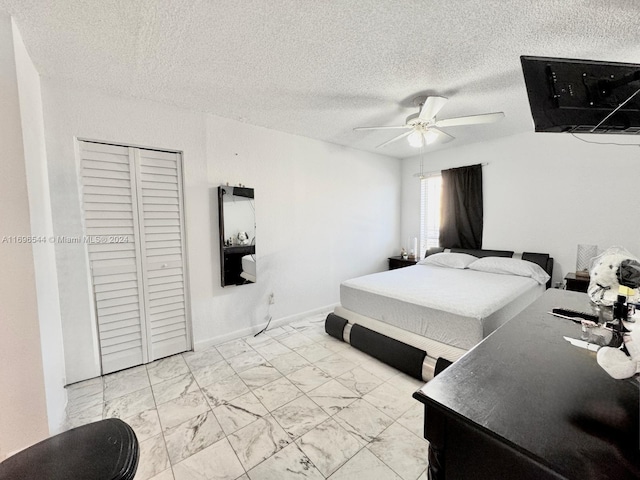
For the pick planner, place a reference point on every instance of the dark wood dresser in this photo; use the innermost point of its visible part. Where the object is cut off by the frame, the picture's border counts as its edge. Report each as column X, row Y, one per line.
column 577, row 283
column 525, row 404
column 399, row 262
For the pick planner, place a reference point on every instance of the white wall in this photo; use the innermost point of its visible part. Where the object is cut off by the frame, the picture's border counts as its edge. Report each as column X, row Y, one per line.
column 324, row 213
column 23, row 416
column 546, row 192
column 41, row 226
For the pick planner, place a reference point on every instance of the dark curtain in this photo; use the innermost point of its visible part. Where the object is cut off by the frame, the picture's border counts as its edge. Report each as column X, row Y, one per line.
column 461, row 208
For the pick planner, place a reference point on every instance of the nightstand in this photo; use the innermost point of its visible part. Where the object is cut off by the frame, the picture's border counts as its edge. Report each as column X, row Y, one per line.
column 399, row 262
column 577, row 283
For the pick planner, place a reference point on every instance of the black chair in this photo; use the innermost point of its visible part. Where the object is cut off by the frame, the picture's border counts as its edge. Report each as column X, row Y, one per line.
column 104, row 450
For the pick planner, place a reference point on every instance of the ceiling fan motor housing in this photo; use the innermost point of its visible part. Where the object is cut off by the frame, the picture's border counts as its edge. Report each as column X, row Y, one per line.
column 414, row 119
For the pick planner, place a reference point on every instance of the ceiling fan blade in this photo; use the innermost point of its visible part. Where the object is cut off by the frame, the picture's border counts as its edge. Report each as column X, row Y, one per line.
column 470, row 120
column 442, row 137
column 394, row 139
column 431, row 107
column 381, row 128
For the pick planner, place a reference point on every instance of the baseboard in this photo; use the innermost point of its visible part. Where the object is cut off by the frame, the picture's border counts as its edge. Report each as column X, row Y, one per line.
column 202, row 344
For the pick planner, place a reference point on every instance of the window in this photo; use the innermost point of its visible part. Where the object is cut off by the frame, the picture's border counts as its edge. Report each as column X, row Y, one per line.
column 430, row 192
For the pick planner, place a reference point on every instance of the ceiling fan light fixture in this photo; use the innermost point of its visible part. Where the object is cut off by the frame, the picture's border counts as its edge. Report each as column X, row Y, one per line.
column 423, row 128
column 430, row 136
column 416, row 139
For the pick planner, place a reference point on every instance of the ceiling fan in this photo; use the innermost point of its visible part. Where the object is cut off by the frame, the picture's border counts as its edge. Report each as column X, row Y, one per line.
column 424, row 128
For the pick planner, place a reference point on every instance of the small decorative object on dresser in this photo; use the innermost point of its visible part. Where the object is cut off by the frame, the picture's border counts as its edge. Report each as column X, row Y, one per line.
column 399, row 262
column 243, row 238
column 413, row 248
column 586, row 253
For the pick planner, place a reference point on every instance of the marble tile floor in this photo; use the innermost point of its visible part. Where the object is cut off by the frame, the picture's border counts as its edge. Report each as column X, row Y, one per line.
column 292, row 403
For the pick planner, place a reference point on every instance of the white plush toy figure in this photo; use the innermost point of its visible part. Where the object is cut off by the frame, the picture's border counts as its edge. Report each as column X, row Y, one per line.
column 243, row 238
column 616, row 363
column 604, row 289
column 603, row 286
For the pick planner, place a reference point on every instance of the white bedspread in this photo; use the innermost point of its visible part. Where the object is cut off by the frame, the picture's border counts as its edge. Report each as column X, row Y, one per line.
column 249, row 265
column 453, row 306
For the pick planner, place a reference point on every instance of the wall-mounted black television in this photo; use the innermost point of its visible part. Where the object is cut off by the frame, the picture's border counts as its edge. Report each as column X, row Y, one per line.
column 579, row 96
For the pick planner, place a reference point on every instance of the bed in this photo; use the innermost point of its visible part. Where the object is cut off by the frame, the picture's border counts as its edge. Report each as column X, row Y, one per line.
column 248, row 263
column 419, row 319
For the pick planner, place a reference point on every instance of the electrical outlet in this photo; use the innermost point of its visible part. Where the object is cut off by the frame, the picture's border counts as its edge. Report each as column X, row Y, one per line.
column 272, row 300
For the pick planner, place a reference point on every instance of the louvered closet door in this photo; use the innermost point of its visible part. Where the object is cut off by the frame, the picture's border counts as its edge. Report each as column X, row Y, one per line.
column 110, row 209
column 159, row 191
column 132, row 201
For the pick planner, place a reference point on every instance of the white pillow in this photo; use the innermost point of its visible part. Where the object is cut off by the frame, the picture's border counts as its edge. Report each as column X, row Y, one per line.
column 511, row 266
column 451, row 260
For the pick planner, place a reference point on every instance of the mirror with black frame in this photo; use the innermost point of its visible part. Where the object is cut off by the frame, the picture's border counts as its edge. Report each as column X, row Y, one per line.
column 237, row 224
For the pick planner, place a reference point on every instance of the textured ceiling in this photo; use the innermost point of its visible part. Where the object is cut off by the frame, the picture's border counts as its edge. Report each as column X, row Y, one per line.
column 319, row 68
